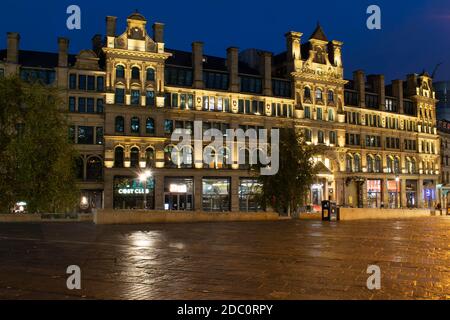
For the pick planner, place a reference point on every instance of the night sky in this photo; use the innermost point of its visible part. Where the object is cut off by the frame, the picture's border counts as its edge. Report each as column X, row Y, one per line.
column 414, row 34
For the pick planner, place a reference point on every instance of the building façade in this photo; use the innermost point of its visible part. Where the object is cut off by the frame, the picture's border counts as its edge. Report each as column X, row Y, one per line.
column 127, row 94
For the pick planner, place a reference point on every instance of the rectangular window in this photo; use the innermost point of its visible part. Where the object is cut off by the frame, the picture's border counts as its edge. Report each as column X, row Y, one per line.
column 219, row 104
column 249, row 189
column 100, row 83
column 175, row 100
column 190, row 102
column 319, row 113
column 150, row 98
column 247, row 106
column 216, row 194
column 205, row 103
column 307, row 113
column 82, row 82
column 81, row 104
column 135, row 96
column 183, row 101
column 120, row 96
column 72, row 102
column 211, row 103
column 99, row 105
column 85, row 135
column 90, row 105
column 241, row 106
column 73, row 81
column 91, row 82
column 99, row 135
column 227, row 105
column 168, row 126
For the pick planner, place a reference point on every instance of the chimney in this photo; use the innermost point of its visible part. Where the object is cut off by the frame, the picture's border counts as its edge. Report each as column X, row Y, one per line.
column 377, row 82
column 266, row 71
column 111, row 26
column 197, row 62
column 397, row 91
column 97, row 43
column 232, row 64
column 360, row 86
column 411, row 85
column 293, row 50
column 63, row 52
column 158, row 32
column 12, row 55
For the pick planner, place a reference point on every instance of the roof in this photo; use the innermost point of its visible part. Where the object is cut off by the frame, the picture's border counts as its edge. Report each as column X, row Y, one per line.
column 318, row 34
column 28, row 58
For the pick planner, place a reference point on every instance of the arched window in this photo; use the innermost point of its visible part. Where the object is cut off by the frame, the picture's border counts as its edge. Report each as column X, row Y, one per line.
column 169, row 161
column 357, row 162
column 120, row 124
column 319, row 94
column 396, row 165
column 320, row 138
column 389, row 164
column 377, row 164
column 308, row 135
column 118, row 157
column 94, row 169
column 150, row 74
column 150, row 126
column 330, row 96
column 120, row 72
column 369, row 163
column 413, row 165
column 134, row 125
column 307, row 94
column 186, row 158
column 135, row 73
column 330, row 114
column 79, row 168
column 226, row 158
column 349, row 163
column 149, row 158
column 134, row 157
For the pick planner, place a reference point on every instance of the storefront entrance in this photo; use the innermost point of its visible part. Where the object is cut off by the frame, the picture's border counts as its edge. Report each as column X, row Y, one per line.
column 178, row 193
column 411, row 193
column 373, row 193
column 393, row 188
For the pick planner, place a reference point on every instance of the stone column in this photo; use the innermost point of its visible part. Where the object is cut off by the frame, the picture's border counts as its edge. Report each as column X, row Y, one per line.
column 198, row 193
column 234, row 193
column 159, row 192
column 108, row 192
column 403, row 193
column 419, row 193
column 384, row 193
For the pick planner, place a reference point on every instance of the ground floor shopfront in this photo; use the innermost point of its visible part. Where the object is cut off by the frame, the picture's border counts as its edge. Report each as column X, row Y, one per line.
column 387, row 192
column 185, row 190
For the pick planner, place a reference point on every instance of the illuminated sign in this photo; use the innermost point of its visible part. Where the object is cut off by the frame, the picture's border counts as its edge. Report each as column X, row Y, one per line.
column 133, row 191
column 178, row 188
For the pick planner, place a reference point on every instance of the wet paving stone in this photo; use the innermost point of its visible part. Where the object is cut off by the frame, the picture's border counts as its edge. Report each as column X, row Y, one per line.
column 236, row 260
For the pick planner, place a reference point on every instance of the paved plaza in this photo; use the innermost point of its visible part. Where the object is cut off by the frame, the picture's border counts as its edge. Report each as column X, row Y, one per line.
column 291, row 259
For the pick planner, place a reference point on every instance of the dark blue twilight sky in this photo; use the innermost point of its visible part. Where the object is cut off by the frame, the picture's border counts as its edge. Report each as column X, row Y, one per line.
column 414, row 33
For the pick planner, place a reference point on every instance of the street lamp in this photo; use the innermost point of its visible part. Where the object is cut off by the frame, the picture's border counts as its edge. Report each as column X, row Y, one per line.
column 397, row 179
column 143, row 177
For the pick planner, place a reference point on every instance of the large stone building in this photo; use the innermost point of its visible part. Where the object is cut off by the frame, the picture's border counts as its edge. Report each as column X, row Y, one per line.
column 128, row 93
column 443, row 127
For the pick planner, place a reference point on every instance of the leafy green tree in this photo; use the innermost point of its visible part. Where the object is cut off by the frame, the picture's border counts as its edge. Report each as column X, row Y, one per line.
column 286, row 191
column 36, row 157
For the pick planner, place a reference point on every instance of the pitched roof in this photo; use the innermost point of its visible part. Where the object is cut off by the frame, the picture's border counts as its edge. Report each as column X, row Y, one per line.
column 318, row 33
column 38, row 59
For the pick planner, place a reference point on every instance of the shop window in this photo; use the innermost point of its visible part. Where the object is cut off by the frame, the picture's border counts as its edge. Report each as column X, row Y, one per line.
column 249, row 190
column 216, row 194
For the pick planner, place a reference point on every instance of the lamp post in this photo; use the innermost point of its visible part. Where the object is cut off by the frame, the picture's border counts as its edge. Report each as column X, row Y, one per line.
column 143, row 178
column 397, row 179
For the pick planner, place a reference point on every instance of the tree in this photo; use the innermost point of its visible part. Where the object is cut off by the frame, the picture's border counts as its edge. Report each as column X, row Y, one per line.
column 287, row 190
column 36, row 157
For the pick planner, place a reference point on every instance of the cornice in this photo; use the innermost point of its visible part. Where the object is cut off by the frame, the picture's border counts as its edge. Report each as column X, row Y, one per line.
column 138, row 54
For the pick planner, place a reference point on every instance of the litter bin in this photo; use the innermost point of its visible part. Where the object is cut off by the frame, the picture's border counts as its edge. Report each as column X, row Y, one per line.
column 326, row 210
column 334, row 212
